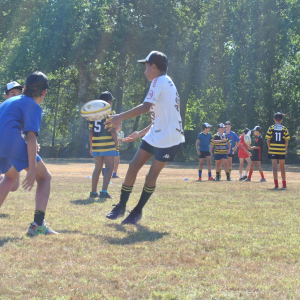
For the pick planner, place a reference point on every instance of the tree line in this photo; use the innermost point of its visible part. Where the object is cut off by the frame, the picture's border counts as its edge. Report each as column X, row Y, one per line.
column 234, row 60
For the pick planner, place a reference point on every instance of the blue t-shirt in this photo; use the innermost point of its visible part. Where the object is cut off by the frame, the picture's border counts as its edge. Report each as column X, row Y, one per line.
column 204, row 141
column 233, row 137
column 17, row 114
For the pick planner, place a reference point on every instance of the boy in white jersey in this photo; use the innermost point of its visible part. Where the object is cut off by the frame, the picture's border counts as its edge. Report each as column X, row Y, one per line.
column 162, row 137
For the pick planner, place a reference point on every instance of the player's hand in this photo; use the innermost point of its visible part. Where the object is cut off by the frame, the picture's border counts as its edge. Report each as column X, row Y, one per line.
column 113, row 122
column 249, row 153
column 198, row 152
column 224, row 140
column 131, row 138
column 29, row 180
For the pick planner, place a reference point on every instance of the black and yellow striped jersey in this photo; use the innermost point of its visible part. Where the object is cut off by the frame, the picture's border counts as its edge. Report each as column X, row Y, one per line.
column 102, row 138
column 277, row 134
column 220, row 148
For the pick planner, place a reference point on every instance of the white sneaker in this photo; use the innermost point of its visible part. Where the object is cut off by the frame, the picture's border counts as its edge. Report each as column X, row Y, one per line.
column 34, row 229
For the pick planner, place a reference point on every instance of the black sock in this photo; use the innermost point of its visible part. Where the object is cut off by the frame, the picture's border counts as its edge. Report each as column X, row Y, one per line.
column 39, row 217
column 228, row 175
column 146, row 194
column 125, row 193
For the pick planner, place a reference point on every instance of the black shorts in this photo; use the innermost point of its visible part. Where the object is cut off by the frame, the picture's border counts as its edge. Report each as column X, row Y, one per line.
column 256, row 157
column 204, row 154
column 230, row 155
column 276, row 156
column 160, row 154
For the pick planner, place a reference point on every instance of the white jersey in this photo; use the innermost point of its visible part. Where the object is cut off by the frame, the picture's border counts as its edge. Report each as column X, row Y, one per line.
column 166, row 130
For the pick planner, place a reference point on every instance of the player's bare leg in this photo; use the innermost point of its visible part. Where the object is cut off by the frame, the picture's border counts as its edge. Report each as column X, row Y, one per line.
column 258, row 166
column 140, row 158
column 153, row 173
column 225, row 164
column 230, row 162
column 248, row 160
column 275, row 169
column 109, row 167
column 117, row 162
column 241, row 165
column 97, row 171
column 6, row 184
column 282, row 169
column 201, row 163
column 208, row 161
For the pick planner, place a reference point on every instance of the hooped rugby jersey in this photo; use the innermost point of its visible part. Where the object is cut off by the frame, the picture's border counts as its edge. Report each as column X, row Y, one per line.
column 277, row 134
column 102, row 139
column 220, row 148
column 166, row 130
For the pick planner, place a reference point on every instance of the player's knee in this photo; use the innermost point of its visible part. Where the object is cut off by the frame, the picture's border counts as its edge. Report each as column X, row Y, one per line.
column 15, row 187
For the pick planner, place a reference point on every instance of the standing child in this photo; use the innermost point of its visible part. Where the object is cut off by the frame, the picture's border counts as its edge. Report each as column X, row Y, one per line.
column 120, row 137
column 17, row 114
column 203, row 150
column 244, row 154
column 162, row 137
column 257, row 154
column 103, row 146
column 278, row 139
column 222, row 149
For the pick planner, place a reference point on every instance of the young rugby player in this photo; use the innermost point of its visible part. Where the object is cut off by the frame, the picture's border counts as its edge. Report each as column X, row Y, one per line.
column 278, row 139
column 244, row 154
column 103, row 146
column 203, row 149
column 162, row 137
column 257, row 154
column 17, row 114
column 222, row 149
column 120, row 137
column 234, row 143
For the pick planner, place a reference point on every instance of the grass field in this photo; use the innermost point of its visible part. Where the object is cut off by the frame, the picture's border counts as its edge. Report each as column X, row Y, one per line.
column 209, row 240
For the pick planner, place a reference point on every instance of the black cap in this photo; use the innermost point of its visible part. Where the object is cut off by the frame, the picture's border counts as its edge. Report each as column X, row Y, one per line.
column 155, row 57
column 37, row 80
column 258, row 128
column 278, row 116
column 106, row 96
column 228, row 123
column 13, row 85
column 247, row 130
column 221, row 125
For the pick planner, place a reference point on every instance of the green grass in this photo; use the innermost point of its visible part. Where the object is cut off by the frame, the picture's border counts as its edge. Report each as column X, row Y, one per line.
column 209, row 240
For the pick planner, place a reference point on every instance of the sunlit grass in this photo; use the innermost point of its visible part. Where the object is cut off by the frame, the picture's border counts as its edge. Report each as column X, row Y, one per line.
column 209, row 240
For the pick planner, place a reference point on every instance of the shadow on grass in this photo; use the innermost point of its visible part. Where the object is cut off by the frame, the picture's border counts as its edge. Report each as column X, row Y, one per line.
column 143, row 234
column 5, row 240
column 4, row 216
column 88, row 201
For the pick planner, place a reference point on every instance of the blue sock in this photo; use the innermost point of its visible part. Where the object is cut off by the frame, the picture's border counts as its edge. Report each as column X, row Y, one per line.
column 104, row 191
column 114, row 174
column 200, row 173
column 209, row 174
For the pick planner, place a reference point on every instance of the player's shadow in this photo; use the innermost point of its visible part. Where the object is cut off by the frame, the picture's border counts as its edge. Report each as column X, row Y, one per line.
column 143, row 234
column 4, row 216
column 87, row 201
column 4, row 240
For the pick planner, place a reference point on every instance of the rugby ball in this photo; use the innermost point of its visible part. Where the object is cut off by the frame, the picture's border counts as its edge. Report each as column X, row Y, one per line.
column 95, row 110
column 247, row 140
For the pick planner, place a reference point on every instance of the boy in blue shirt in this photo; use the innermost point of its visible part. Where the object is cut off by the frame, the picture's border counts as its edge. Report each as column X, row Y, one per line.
column 23, row 114
column 203, row 150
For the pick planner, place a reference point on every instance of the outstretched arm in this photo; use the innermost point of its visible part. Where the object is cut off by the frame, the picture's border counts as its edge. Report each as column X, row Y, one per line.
column 136, row 135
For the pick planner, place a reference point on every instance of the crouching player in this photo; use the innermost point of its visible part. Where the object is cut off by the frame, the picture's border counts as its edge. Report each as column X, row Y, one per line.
column 256, row 154
column 23, row 113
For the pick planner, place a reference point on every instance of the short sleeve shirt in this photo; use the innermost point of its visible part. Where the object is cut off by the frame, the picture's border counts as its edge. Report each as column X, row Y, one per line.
column 204, row 141
column 242, row 152
column 166, row 130
column 233, row 137
column 18, row 114
column 220, row 148
column 277, row 134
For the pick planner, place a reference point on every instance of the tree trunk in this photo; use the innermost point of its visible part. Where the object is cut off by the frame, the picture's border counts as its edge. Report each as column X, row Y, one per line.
column 55, row 115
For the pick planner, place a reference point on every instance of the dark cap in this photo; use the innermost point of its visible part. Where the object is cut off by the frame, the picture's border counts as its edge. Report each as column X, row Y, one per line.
column 221, row 125
column 37, row 80
column 155, row 57
column 247, row 131
column 258, row 128
column 278, row 116
column 13, row 85
column 106, row 96
column 228, row 123
column 206, row 125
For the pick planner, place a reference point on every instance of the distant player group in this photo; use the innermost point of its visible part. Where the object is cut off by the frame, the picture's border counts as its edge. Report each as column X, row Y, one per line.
column 21, row 114
column 225, row 143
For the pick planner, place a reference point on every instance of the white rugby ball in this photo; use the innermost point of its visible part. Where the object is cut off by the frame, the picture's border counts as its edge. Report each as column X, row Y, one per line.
column 95, row 110
column 247, row 140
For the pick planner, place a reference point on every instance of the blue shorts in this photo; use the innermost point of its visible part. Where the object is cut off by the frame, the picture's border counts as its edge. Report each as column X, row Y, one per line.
column 161, row 154
column 118, row 153
column 220, row 156
column 19, row 163
column 105, row 153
